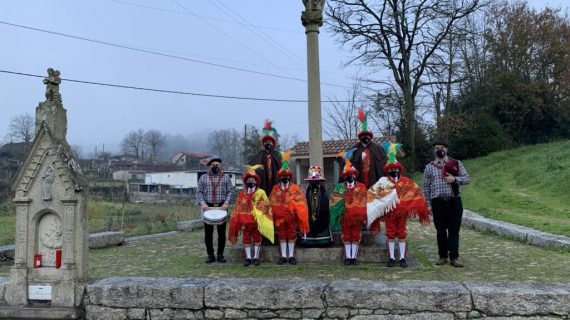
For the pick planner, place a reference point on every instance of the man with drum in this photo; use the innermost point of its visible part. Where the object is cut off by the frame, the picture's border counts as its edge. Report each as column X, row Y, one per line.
column 215, row 190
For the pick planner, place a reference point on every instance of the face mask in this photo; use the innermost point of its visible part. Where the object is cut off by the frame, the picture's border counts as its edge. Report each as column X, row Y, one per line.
column 251, row 185
column 268, row 146
column 285, row 180
column 350, row 179
column 440, row 153
column 215, row 170
column 394, row 174
column 365, row 140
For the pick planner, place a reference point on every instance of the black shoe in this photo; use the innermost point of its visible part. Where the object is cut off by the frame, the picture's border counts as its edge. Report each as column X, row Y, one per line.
column 292, row 261
column 403, row 263
column 353, row 262
column 391, row 263
column 210, row 259
column 256, row 262
column 247, row 262
column 281, row 260
column 347, row 262
column 221, row 259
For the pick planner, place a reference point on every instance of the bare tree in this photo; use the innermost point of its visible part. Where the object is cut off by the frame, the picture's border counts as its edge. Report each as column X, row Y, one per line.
column 287, row 141
column 22, row 128
column 228, row 145
column 133, row 144
column 155, row 141
column 401, row 35
column 341, row 120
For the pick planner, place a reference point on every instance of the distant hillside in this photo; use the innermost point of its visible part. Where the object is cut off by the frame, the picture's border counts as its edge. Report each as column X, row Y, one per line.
column 529, row 186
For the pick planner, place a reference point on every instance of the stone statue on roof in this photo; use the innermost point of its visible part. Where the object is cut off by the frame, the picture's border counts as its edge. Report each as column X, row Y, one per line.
column 52, row 82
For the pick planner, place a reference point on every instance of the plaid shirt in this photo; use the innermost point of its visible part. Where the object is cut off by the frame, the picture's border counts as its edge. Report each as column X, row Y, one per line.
column 223, row 189
column 435, row 185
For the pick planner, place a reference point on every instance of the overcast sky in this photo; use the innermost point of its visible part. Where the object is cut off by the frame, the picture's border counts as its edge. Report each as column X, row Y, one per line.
column 269, row 39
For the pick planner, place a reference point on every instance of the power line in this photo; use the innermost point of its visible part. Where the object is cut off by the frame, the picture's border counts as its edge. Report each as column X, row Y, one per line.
column 161, row 54
column 196, row 15
column 170, row 91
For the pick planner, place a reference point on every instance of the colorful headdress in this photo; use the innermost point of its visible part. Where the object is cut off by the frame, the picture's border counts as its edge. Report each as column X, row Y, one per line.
column 269, row 133
column 285, row 157
column 315, row 174
column 391, row 150
column 348, row 168
column 250, row 173
column 363, row 118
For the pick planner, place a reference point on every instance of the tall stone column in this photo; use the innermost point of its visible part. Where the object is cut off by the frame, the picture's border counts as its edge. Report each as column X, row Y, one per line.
column 312, row 19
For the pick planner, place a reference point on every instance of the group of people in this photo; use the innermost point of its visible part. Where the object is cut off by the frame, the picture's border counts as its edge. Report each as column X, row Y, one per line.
column 371, row 189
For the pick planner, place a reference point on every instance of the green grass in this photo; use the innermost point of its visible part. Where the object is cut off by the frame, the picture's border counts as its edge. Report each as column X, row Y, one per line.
column 528, row 186
column 487, row 258
column 132, row 218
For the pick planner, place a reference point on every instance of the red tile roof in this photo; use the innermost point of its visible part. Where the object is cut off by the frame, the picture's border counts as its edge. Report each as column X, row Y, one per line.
column 332, row 147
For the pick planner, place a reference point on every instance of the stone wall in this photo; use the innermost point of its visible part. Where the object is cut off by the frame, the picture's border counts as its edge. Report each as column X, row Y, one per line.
column 166, row 298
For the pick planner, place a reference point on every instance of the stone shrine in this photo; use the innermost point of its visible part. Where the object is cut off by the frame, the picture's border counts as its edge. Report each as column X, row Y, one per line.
column 51, row 257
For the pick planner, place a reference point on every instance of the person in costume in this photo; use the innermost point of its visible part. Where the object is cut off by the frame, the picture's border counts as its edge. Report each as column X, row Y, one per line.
column 215, row 189
column 269, row 158
column 348, row 208
column 319, row 217
column 442, row 178
column 395, row 198
column 368, row 157
column 251, row 217
column 289, row 210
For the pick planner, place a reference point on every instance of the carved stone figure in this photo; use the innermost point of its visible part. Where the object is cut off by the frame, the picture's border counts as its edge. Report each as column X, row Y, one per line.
column 50, row 236
column 52, row 85
column 48, row 177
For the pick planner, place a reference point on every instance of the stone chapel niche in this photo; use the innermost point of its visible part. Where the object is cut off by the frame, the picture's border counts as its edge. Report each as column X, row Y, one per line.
column 49, row 240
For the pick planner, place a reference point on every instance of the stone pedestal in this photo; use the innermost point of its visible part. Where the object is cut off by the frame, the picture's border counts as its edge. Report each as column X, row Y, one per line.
column 51, row 249
column 372, row 251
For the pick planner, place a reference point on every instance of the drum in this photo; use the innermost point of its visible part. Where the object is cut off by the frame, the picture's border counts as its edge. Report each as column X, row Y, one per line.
column 215, row 216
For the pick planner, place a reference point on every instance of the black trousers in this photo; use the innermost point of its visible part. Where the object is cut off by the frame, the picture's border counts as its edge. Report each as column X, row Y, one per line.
column 209, row 238
column 447, row 214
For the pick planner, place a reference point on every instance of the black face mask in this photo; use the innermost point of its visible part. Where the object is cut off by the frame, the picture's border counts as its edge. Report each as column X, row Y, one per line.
column 215, row 170
column 251, row 185
column 314, row 187
column 285, row 180
column 350, row 179
column 394, row 174
column 365, row 140
column 440, row 153
column 268, row 146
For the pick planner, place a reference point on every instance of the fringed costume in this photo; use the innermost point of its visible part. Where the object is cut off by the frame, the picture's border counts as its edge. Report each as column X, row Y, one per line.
column 289, row 210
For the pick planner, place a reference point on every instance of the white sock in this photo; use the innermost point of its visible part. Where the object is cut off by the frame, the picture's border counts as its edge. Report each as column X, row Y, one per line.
column 291, row 249
column 402, row 249
column 354, row 250
column 347, row 251
column 256, row 252
column 283, row 249
column 248, row 252
column 391, row 245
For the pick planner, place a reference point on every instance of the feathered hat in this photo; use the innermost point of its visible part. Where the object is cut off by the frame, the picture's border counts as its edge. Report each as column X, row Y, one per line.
column 363, row 118
column 250, row 173
column 391, row 150
column 284, row 171
column 348, row 168
column 314, row 174
column 269, row 133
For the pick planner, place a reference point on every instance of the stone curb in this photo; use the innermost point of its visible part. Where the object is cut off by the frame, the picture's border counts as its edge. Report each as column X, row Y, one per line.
column 532, row 236
column 489, row 299
column 190, row 225
column 151, row 236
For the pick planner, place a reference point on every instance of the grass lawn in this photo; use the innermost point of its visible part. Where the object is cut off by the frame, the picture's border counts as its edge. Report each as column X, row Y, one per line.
column 133, row 218
column 528, row 186
column 487, row 258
